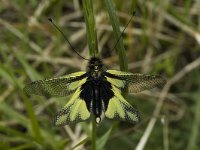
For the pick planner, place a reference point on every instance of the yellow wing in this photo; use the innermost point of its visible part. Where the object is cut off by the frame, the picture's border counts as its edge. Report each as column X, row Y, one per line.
column 134, row 82
column 57, row 86
column 118, row 108
column 74, row 111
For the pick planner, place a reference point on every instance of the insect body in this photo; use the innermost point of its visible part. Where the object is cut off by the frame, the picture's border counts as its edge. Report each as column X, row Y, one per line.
column 96, row 91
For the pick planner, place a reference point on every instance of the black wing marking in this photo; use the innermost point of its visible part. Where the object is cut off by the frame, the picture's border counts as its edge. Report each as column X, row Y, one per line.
column 74, row 111
column 134, row 82
column 61, row 86
column 118, row 108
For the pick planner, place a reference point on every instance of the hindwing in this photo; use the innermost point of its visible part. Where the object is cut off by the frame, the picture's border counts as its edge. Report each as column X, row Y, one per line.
column 118, row 108
column 74, row 111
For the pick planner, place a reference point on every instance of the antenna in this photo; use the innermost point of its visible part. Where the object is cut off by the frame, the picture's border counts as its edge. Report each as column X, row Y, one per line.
column 66, row 40
column 133, row 14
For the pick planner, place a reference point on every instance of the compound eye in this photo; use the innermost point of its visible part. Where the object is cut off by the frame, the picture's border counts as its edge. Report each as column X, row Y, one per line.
column 91, row 66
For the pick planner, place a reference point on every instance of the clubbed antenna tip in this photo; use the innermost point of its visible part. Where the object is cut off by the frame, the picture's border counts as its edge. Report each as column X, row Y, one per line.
column 50, row 19
column 66, row 39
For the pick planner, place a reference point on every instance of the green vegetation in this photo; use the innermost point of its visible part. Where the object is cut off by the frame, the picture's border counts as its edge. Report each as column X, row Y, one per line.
column 162, row 38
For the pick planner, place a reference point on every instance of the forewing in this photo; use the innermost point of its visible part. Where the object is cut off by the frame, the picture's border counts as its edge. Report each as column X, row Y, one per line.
column 118, row 108
column 134, row 82
column 74, row 111
column 61, row 86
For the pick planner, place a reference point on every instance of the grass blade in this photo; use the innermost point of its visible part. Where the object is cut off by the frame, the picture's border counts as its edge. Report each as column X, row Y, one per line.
column 117, row 33
column 90, row 27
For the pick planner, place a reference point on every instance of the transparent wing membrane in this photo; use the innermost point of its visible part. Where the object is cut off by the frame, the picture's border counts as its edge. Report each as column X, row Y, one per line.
column 61, row 86
column 134, row 82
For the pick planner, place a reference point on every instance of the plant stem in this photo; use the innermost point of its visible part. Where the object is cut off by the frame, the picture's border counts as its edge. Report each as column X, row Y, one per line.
column 90, row 27
column 94, row 134
column 116, row 30
column 93, row 48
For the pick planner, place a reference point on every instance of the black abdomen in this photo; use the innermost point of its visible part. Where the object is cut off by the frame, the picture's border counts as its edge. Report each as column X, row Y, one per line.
column 96, row 94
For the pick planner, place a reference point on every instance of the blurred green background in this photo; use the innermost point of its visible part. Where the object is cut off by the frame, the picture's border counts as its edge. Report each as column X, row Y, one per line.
column 162, row 38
